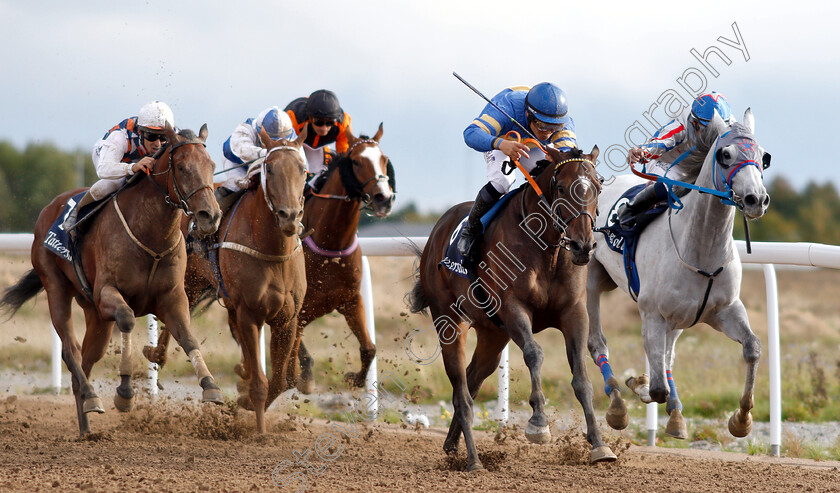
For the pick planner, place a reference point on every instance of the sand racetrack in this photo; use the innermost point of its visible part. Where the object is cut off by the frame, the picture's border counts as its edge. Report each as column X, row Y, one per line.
column 186, row 447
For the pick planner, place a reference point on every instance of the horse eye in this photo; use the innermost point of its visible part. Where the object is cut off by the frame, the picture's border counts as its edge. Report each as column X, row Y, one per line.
column 726, row 154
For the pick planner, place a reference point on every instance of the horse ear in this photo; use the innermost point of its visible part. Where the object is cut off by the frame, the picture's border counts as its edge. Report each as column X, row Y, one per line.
column 749, row 120
column 378, row 133
column 170, row 133
column 301, row 138
column 594, row 153
column 202, row 134
column 266, row 140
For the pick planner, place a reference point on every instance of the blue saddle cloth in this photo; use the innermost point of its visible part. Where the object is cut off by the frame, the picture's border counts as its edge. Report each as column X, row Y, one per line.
column 453, row 260
column 57, row 240
column 624, row 241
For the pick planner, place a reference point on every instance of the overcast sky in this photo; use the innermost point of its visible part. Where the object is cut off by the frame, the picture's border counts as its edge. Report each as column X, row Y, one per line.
column 71, row 70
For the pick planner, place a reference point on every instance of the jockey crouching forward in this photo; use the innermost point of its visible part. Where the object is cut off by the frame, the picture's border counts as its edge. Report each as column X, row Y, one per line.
column 543, row 110
column 326, row 123
column 124, row 150
column 244, row 146
column 676, row 151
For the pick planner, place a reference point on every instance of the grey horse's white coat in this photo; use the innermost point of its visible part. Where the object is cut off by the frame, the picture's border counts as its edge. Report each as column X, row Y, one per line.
column 670, row 292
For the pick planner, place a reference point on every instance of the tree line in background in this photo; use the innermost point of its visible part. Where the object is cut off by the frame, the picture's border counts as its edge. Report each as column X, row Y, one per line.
column 31, row 178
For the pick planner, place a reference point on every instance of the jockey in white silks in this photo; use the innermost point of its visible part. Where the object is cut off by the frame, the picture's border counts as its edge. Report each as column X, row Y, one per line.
column 244, row 146
column 543, row 110
column 676, row 151
column 124, row 150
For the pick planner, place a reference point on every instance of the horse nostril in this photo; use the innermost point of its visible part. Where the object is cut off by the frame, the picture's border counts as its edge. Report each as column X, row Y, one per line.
column 750, row 200
column 379, row 198
column 283, row 213
column 766, row 201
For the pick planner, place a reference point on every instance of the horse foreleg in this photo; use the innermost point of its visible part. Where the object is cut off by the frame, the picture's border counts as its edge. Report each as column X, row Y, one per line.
column 598, row 281
column 248, row 330
column 519, row 329
column 354, row 313
column 733, row 322
column 573, row 323
column 283, row 338
column 173, row 311
column 95, row 345
column 676, row 426
column 304, row 382
column 113, row 305
column 654, row 331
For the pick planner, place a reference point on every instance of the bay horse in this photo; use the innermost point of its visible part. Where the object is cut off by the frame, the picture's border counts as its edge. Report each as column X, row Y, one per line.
column 360, row 178
column 544, row 287
column 689, row 272
column 133, row 256
column 262, row 272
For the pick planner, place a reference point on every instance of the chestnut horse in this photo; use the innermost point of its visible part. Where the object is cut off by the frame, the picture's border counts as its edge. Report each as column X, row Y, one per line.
column 545, row 287
column 134, row 257
column 360, row 177
column 261, row 267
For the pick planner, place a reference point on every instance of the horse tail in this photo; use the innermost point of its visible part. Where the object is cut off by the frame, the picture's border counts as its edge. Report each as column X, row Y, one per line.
column 415, row 298
column 27, row 287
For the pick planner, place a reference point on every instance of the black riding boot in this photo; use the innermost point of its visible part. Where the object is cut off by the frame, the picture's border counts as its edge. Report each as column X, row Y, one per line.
column 644, row 200
column 473, row 231
column 69, row 224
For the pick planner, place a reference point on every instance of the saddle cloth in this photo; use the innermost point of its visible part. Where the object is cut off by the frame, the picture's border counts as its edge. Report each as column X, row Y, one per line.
column 57, row 240
column 453, row 260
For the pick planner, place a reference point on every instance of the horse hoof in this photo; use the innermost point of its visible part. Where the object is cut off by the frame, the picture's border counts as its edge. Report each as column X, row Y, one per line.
column 93, row 405
column 740, row 428
column 676, row 425
column 153, row 355
column 602, row 454
column 212, row 395
column 240, row 370
column 306, row 386
column 640, row 386
column 477, row 466
column 537, row 434
column 122, row 404
column 617, row 416
column 353, row 379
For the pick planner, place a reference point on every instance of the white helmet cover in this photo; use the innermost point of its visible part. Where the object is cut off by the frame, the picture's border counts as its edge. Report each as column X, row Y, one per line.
column 155, row 115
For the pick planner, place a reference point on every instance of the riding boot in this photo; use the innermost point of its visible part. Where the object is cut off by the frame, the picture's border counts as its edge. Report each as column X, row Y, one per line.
column 69, row 224
column 226, row 198
column 474, row 230
column 314, row 185
column 644, row 200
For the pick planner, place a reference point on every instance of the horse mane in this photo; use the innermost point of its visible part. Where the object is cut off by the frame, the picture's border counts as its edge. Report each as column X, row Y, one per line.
column 344, row 165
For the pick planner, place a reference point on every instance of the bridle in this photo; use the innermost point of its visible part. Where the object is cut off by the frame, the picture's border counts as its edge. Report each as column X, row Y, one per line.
column 364, row 198
column 179, row 202
column 263, row 182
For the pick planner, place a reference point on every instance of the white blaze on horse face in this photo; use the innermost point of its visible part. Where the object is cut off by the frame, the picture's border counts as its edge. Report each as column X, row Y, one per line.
column 374, row 155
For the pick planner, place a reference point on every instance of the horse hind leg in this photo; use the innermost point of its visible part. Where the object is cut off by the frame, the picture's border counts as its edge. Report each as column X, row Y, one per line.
column 157, row 353
column 283, row 338
column 453, row 362
column 485, row 360
column 354, row 313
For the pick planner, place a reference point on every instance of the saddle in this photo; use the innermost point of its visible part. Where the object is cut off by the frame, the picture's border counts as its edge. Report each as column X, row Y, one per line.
column 453, row 260
column 624, row 240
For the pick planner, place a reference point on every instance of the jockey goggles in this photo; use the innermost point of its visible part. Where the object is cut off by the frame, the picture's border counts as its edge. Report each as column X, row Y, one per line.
column 547, row 127
column 153, row 137
column 323, row 123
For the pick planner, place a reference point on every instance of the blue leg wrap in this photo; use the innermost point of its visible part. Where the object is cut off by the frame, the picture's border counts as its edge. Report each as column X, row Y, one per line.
column 673, row 398
column 606, row 371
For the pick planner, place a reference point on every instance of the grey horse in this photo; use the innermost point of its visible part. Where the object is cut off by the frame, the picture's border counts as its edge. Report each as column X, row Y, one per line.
column 689, row 272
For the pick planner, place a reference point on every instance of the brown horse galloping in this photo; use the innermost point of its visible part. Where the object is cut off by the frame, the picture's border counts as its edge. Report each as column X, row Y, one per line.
column 134, row 258
column 333, row 262
column 262, row 272
column 530, row 282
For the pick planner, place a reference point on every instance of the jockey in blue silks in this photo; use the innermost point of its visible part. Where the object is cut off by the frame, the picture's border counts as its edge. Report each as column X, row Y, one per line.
column 676, row 151
column 543, row 110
